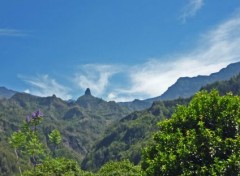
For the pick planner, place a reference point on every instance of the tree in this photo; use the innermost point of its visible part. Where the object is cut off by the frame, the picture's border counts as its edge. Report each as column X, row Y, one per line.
column 55, row 138
column 200, row 139
column 26, row 140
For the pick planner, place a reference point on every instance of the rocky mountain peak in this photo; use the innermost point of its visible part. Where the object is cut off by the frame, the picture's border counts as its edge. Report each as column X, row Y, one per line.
column 88, row 92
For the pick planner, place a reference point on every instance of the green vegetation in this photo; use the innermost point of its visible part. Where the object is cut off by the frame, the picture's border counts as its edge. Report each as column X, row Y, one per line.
column 57, row 167
column 202, row 138
column 79, row 126
column 121, row 168
column 232, row 85
column 125, row 139
column 26, row 141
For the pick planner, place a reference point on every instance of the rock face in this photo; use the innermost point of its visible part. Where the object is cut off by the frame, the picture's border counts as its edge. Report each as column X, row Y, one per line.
column 88, row 92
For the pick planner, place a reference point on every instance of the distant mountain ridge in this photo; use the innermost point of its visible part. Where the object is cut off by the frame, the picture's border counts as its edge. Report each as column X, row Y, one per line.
column 120, row 135
column 6, row 93
column 186, row 87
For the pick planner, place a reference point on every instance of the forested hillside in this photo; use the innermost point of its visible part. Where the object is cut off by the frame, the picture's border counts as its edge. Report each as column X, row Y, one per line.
column 125, row 140
column 201, row 137
column 83, row 126
column 232, row 85
column 79, row 125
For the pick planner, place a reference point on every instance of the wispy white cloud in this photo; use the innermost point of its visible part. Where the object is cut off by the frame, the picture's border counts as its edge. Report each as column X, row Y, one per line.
column 215, row 50
column 43, row 85
column 190, row 10
column 96, row 77
column 12, row 32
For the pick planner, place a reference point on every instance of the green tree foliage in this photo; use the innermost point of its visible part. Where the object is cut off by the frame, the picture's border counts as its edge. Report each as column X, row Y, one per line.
column 121, row 168
column 200, row 139
column 57, row 167
column 26, row 140
column 55, row 137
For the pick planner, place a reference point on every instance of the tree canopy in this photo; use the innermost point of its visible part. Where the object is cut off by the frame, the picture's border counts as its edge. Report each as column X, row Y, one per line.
column 200, row 139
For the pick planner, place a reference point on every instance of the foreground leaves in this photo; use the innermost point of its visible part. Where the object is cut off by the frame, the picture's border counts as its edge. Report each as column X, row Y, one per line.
column 122, row 168
column 200, row 139
column 57, row 167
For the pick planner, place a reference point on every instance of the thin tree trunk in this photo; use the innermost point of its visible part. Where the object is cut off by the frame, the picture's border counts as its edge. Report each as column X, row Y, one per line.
column 19, row 168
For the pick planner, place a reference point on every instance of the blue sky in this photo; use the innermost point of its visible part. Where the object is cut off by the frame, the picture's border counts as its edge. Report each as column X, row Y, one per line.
column 121, row 50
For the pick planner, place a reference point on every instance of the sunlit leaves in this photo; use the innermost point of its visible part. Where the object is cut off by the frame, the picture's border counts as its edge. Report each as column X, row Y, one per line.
column 57, row 167
column 55, row 137
column 18, row 139
column 202, row 138
column 122, row 168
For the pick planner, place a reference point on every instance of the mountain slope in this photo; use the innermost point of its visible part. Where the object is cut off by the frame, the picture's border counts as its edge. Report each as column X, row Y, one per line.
column 6, row 93
column 125, row 140
column 100, row 107
column 80, row 126
column 186, row 87
column 232, row 85
column 136, row 105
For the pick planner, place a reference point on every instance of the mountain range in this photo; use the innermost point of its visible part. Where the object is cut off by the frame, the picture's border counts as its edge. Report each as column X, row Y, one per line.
column 127, row 138
column 95, row 131
column 80, row 123
column 186, row 87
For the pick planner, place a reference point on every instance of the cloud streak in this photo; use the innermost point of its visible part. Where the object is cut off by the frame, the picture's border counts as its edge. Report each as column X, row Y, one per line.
column 43, row 85
column 11, row 32
column 216, row 49
column 191, row 9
